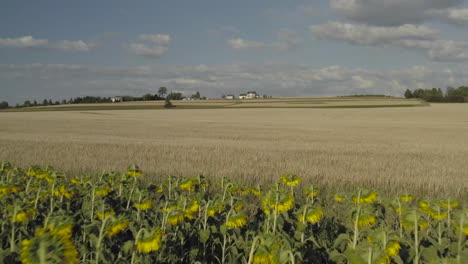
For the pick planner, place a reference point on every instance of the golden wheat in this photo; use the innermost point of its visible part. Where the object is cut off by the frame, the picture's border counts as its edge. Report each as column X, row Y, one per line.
column 416, row 149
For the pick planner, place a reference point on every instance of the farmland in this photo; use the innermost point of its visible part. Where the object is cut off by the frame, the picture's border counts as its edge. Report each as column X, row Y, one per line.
column 337, row 180
column 346, row 144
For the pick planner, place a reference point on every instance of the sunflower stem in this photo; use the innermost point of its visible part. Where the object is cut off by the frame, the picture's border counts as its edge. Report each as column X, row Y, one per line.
column 131, row 192
column 460, row 239
column 101, row 237
column 356, row 226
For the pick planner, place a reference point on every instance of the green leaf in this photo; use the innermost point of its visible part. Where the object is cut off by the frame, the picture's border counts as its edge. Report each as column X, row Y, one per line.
column 128, row 246
column 204, row 235
column 341, row 240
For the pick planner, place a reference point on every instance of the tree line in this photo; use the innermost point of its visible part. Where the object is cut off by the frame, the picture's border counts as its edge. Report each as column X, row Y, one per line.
column 451, row 95
column 159, row 96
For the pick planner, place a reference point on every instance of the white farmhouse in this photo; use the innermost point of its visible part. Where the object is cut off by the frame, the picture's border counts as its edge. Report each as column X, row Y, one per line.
column 116, row 99
column 230, row 96
column 249, row 95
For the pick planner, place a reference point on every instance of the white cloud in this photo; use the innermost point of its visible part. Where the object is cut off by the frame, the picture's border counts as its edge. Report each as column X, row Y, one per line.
column 148, row 51
column 159, row 39
column 370, row 35
column 390, row 12
column 285, row 40
column 79, row 45
column 418, row 37
column 31, row 42
column 158, row 45
column 23, row 42
column 243, row 44
column 456, row 16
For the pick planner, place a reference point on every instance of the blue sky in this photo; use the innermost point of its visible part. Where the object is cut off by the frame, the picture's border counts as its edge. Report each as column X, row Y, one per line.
column 63, row 49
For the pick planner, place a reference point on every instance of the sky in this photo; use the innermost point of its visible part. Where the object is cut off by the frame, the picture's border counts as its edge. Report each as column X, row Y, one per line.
column 62, row 49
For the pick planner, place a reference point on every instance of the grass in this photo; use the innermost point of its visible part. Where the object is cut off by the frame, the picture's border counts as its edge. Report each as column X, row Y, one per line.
column 394, row 149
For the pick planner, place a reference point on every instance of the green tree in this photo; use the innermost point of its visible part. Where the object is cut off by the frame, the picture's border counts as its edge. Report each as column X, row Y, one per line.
column 168, row 103
column 196, row 95
column 3, row 105
column 162, row 91
column 408, row 94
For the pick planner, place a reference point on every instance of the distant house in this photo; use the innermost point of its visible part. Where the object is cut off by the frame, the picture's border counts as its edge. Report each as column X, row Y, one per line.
column 116, row 99
column 230, row 96
column 249, row 95
column 252, row 95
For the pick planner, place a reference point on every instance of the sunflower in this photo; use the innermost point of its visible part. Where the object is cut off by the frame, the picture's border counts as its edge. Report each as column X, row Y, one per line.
column 144, row 205
column 104, row 215
column 24, row 216
column 366, row 199
column 237, row 221
column 263, row 258
column 8, row 189
column 52, row 245
column 188, row 185
column 117, row 227
column 406, row 198
column 448, row 205
column 393, row 248
column 192, row 210
column 290, row 179
column 175, row 217
column 285, row 203
column 150, row 242
column 62, row 191
column 314, row 216
column 103, row 191
column 339, row 198
column 366, row 220
column 312, row 192
column 134, row 171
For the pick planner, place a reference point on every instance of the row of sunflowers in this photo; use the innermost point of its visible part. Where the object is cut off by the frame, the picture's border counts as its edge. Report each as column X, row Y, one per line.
column 116, row 218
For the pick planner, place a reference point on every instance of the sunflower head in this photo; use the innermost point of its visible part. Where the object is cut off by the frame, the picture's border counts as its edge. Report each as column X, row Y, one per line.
column 149, row 241
column 117, row 225
column 290, row 179
column 143, row 206
column 368, row 197
column 447, row 204
column 406, row 198
column 133, row 171
column 25, row 215
column 236, row 221
column 51, row 243
column 175, row 217
column 189, row 185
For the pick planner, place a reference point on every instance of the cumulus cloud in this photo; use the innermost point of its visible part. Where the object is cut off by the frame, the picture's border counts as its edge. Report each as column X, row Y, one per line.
column 370, row 35
column 285, row 40
column 31, row 42
column 244, row 44
column 418, row 37
column 456, row 16
column 390, row 12
column 156, row 45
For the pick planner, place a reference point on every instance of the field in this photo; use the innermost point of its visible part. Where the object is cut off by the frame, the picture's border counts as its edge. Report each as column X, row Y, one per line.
column 394, row 149
column 359, row 181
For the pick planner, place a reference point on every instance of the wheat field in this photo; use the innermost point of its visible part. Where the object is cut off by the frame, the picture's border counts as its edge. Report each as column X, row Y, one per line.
column 423, row 150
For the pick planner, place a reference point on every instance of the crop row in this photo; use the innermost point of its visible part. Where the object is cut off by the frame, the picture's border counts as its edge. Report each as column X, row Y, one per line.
column 115, row 218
